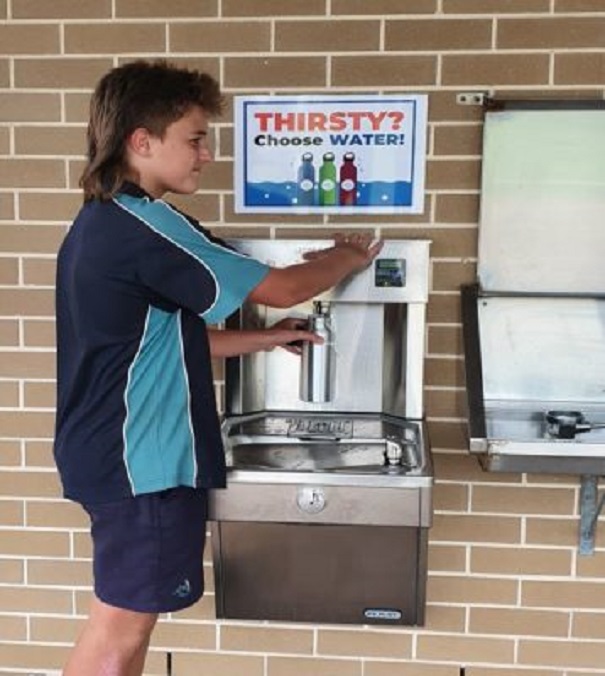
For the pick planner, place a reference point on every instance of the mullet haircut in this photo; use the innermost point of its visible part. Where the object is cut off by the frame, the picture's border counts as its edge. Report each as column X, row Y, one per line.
column 152, row 95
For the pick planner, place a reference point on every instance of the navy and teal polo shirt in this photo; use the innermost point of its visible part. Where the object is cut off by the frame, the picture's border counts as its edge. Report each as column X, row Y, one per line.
column 137, row 282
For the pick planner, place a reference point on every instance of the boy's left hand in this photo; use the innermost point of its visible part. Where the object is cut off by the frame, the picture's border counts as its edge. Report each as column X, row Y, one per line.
column 290, row 333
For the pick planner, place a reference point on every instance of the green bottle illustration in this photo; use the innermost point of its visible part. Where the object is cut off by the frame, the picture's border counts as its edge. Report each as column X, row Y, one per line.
column 327, row 181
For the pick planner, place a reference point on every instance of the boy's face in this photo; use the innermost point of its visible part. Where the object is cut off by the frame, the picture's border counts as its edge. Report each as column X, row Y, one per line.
column 175, row 161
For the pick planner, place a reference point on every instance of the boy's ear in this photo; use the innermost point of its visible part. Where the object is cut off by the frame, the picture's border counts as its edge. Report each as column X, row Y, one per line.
column 139, row 142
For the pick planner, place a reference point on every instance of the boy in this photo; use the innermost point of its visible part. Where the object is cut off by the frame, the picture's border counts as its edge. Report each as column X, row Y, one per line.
column 137, row 434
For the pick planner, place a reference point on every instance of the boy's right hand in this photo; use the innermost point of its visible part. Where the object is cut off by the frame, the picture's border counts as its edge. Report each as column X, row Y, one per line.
column 323, row 269
column 361, row 246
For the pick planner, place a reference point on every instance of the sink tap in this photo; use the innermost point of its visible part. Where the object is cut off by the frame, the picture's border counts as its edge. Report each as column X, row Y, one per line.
column 393, row 454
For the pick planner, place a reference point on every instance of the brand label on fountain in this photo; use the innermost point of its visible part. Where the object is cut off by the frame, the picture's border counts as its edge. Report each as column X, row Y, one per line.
column 317, row 427
column 382, row 614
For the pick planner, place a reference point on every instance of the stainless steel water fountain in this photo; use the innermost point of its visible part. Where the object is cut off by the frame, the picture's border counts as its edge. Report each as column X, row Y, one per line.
column 328, row 505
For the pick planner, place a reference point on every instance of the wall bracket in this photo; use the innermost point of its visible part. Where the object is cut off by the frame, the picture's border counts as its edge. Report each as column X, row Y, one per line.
column 471, row 98
column 590, row 507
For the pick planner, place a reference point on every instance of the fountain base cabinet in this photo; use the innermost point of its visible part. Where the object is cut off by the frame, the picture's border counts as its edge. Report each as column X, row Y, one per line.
column 320, row 573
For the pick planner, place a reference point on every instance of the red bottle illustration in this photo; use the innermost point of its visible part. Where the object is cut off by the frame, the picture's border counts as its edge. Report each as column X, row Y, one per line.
column 348, row 180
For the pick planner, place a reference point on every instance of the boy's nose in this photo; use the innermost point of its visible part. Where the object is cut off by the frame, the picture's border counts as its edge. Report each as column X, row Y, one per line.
column 206, row 154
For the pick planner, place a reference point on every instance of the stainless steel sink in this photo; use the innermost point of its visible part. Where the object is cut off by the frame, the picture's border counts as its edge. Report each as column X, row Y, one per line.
column 320, row 456
column 370, row 445
column 366, row 469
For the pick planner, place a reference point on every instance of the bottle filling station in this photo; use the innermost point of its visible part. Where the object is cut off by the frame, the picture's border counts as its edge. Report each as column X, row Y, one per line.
column 328, row 505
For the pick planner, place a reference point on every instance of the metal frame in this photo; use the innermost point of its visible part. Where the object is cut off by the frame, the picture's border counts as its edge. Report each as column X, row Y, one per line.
column 545, row 456
column 496, row 105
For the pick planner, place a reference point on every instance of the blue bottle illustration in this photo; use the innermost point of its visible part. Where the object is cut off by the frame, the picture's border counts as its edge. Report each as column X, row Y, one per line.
column 305, row 191
column 328, row 194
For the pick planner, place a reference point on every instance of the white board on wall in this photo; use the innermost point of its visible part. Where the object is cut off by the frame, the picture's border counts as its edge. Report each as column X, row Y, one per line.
column 542, row 217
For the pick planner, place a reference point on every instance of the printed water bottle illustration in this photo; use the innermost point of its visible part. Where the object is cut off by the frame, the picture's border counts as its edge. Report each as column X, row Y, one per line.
column 327, row 181
column 306, row 181
column 348, row 180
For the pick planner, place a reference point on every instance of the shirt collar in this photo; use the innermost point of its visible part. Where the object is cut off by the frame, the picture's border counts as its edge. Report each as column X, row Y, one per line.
column 134, row 190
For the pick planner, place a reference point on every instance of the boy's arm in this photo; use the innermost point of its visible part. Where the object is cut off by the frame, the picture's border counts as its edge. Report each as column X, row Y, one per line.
column 229, row 343
column 284, row 287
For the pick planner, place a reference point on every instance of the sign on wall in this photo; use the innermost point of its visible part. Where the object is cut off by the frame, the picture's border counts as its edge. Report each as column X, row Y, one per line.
column 330, row 154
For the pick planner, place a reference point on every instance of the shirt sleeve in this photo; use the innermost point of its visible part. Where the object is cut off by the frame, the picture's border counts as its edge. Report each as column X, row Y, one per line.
column 189, row 268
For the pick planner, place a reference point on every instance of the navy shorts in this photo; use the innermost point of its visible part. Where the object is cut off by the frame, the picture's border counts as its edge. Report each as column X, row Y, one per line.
column 148, row 550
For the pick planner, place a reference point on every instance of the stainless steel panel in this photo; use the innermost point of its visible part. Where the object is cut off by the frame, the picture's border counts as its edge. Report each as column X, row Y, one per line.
column 320, row 573
column 543, row 349
column 373, row 372
column 320, row 503
column 501, row 460
column 377, row 332
column 359, row 288
column 271, row 380
column 543, row 199
column 524, row 357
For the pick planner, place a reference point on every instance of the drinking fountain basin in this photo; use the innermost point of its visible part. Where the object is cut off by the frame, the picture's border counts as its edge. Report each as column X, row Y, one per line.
column 361, row 445
column 370, row 469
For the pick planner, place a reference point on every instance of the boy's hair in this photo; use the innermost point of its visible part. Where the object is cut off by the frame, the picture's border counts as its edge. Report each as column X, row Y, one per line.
column 152, row 95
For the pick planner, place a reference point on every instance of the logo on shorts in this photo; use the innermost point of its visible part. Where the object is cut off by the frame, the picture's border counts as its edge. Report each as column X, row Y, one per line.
column 184, row 589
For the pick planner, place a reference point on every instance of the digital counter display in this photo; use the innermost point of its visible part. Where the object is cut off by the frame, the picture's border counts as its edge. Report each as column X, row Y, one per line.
column 390, row 272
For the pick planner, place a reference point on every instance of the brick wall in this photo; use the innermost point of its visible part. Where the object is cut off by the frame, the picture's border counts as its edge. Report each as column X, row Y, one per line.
column 508, row 594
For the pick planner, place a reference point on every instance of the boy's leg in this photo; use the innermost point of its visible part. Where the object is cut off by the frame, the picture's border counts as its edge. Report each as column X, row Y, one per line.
column 147, row 555
column 113, row 643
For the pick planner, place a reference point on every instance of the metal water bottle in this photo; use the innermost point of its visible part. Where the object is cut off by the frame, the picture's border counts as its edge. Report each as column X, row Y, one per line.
column 316, row 362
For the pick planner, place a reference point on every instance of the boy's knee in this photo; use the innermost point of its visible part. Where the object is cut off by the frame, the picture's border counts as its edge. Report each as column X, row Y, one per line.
column 123, row 627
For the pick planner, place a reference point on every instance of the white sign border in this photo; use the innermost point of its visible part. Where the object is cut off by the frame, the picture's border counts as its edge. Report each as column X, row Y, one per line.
column 419, row 153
